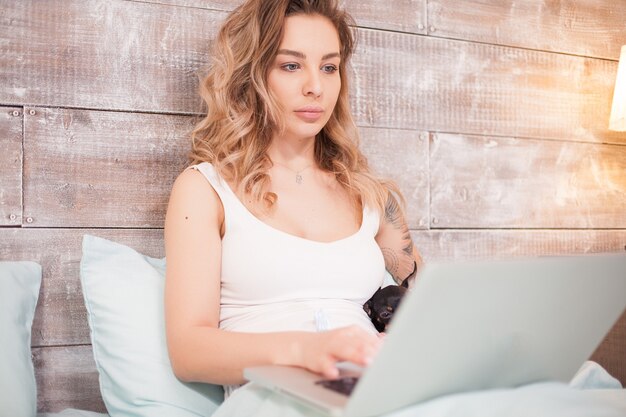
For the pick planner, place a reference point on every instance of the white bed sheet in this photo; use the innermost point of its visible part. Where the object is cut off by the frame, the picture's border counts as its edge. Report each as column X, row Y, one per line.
column 537, row 400
column 591, row 393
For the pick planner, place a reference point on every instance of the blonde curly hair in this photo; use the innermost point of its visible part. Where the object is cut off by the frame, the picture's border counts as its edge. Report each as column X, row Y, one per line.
column 242, row 114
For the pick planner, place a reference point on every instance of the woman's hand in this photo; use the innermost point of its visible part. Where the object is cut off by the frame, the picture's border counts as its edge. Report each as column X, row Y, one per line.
column 319, row 352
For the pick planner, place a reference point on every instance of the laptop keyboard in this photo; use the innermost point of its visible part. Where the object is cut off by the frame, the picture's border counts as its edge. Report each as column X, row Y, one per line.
column 343, row 385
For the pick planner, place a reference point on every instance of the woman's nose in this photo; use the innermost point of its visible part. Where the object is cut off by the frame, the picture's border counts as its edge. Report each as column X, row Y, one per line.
column 313, row 84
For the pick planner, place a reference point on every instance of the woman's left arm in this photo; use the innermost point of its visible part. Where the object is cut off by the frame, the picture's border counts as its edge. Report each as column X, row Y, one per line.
column 402, row 259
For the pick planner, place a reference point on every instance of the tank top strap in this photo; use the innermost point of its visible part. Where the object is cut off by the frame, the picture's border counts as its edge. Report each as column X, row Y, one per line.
column 234, row 207
column 220, row 186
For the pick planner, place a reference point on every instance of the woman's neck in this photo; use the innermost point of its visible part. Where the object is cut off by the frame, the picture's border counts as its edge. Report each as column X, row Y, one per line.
column 295, row 153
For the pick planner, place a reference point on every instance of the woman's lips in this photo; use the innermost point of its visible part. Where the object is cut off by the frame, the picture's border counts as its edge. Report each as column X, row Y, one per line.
column 309, row 113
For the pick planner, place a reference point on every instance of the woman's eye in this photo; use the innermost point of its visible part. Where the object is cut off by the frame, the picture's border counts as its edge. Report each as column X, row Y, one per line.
column 329, row 69
column 290, row 67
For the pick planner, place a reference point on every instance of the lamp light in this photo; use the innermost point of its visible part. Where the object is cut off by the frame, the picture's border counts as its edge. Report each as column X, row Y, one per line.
column 617, row 121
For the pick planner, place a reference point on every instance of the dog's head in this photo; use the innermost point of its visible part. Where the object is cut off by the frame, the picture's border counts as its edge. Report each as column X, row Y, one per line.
column 383, row 304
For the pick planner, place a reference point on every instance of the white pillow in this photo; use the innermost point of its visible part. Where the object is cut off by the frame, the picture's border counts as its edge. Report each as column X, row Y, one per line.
column 19, row 290
column 123, row 292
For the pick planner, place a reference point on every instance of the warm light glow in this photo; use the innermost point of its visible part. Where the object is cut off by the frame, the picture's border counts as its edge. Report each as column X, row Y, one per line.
column 618, row 111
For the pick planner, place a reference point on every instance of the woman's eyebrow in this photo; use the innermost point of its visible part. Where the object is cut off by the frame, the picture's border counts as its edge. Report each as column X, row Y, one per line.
column 300, row 55
column 290, row 52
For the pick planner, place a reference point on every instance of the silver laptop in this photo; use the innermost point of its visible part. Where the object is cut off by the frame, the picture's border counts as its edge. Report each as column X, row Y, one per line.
column 474, row 326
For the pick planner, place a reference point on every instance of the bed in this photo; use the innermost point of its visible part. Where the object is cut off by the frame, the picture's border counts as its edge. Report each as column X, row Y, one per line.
column 125, row 360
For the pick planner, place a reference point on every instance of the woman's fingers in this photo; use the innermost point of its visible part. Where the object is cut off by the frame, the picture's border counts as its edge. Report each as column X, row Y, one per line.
column 329, row 369
column 321, row 351
column 355, row 345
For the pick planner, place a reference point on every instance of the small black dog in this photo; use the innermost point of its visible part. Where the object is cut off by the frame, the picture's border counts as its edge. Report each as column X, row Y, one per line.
column 381, row 306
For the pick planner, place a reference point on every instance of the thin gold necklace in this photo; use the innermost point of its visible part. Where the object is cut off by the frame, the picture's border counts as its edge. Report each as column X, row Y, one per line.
column 299, row 178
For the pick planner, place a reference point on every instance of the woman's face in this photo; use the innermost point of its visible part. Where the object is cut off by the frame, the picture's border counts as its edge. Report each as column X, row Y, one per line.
column 304, row 77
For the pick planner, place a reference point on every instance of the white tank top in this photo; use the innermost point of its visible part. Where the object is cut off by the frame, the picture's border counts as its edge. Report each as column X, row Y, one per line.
column 274, row 281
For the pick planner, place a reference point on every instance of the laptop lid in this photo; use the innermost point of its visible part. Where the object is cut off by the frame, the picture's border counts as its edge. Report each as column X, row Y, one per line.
column 480, row 325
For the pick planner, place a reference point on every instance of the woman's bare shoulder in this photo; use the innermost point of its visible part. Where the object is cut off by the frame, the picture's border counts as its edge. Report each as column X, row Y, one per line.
column 192, row 184
column 194, row 200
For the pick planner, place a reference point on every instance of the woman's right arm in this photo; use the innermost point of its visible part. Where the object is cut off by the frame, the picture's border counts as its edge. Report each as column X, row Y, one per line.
column 198, row 349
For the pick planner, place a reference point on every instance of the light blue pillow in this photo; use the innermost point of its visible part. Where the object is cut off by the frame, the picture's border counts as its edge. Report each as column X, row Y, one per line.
column 123, row 293
column 19, row 291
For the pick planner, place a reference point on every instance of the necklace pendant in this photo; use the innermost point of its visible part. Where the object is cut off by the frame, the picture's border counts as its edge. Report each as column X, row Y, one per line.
column 298, row 178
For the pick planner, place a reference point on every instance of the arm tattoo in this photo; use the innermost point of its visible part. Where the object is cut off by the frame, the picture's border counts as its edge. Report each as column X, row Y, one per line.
column 408, row 248
column 398, row 247
column 391, row 261
column 393, row 214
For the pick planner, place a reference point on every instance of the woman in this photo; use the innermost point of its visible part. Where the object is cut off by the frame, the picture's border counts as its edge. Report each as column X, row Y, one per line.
column 278, row 232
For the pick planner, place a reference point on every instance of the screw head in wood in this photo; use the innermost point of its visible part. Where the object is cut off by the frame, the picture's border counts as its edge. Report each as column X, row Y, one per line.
column 12, row 217
column 32, row 112
column 29, row 220
column 16, row 113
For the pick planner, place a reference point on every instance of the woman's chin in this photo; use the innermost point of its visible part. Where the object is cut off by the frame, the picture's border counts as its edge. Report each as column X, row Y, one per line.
column 304, row 132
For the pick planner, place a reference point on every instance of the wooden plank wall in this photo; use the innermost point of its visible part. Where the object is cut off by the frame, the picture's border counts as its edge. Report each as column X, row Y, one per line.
column 491, row 114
